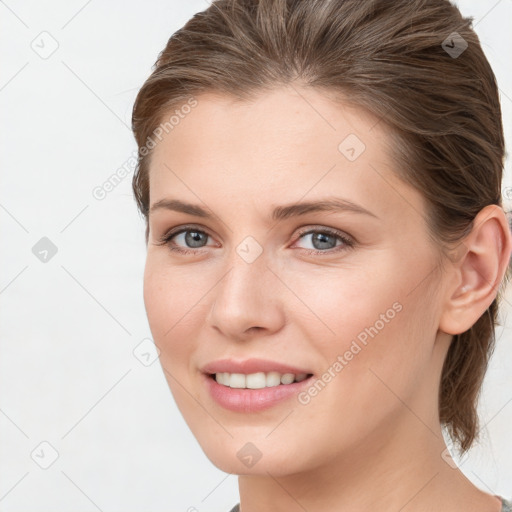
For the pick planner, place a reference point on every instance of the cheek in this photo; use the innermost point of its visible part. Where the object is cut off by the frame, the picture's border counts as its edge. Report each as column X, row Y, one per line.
column 171, row 309
column 342, row 303
column 167, row 298
column 373, row 364
column 156, row 299
column 368, row 325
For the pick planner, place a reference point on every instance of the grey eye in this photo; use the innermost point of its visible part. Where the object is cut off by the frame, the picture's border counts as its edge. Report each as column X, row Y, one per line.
column 321, row 240
column 193, row 238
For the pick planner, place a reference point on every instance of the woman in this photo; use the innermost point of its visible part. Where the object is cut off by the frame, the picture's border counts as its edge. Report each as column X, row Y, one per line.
column 326, row 246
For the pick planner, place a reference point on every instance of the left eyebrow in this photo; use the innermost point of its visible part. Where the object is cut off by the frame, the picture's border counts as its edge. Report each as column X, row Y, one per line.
column 326, row 205
column 278, row 213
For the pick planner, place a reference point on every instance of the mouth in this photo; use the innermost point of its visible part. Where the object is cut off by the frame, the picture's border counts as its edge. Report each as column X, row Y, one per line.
column 257, row 380
column 251, row 393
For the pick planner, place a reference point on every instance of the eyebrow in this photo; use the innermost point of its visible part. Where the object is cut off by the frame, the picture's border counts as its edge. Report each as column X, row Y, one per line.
column 278, row 213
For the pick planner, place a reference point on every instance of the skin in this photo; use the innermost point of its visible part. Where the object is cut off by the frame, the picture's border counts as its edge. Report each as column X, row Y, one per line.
column 371, row 439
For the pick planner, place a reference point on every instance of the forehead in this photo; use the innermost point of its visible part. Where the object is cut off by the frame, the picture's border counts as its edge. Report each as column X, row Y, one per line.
column 283, row 145
column 295, row 114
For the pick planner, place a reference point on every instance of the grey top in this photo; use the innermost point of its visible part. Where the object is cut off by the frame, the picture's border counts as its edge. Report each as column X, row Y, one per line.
column 506, row 506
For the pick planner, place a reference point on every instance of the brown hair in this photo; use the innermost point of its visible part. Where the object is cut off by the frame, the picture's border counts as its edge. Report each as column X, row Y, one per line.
column 402, row 61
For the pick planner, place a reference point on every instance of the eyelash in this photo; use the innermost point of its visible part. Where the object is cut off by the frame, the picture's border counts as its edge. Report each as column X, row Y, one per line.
column 348, row 243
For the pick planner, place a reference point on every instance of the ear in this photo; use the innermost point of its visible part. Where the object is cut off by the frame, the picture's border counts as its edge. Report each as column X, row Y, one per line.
column 483, row 258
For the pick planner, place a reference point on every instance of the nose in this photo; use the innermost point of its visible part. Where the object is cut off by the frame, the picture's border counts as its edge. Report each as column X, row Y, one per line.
column 247, row 300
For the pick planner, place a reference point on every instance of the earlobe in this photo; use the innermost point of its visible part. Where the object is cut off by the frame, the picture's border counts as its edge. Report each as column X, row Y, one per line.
column 479, row 272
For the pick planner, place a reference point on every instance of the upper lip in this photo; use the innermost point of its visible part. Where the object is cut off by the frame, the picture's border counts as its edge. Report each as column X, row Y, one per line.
column 249, row 366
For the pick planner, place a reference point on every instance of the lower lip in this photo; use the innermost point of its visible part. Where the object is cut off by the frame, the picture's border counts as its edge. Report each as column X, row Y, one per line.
column 252, row 400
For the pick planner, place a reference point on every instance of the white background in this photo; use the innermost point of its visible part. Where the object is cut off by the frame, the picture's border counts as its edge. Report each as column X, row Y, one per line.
column 69, row 326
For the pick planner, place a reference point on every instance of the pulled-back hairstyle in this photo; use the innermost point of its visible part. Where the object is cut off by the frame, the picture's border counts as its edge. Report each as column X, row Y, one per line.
column 415, row 64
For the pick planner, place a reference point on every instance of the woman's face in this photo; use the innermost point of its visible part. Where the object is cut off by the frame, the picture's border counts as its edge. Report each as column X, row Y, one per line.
column 359, row 314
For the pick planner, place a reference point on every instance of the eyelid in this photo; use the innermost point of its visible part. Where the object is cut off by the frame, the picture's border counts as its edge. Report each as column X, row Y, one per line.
column 325, row 229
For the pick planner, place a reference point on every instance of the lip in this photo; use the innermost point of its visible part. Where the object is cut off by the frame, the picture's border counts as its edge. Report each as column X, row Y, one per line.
column 248, row 366
column 252, row 400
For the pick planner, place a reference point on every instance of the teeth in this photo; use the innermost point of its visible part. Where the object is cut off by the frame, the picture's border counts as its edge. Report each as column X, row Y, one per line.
column 257, row 380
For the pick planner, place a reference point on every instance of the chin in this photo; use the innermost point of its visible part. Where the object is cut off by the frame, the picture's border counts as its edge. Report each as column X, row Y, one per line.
column 243, row 457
